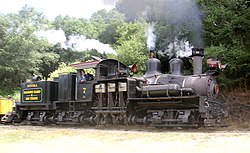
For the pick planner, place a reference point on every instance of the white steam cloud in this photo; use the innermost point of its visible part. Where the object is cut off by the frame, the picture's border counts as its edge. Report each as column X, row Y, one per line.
column 110, row 2
column 81, row 43
column 181, row 48
column 75, row 42
column 151, row 37
column 53, row 36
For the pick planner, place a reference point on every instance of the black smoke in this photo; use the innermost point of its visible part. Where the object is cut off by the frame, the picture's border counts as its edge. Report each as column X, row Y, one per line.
column 183, row 16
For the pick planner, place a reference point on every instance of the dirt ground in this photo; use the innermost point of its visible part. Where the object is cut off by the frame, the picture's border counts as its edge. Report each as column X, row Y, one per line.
column 40, row 139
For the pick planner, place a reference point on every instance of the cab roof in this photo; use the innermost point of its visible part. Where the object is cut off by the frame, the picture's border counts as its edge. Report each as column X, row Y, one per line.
column 85, row 65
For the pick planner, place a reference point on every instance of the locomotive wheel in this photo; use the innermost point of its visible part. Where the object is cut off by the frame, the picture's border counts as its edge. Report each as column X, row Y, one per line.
column 145, row 120
column 191, row 119
column 115, row 119
column 107, row 119
column 16, row 119
column 81, row 119
column 98, row 119
column 46, row 119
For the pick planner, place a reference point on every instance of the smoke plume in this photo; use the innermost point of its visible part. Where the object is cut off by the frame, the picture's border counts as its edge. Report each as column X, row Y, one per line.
column 74, row 42
column 80, row 43
column 151, row 38
column 184, row 13
column 179, row 48
column 184, row 19
column 109, row 2
column 52, row 36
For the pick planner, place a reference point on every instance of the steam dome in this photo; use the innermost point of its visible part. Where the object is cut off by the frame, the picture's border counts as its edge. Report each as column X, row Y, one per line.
column 153, row 67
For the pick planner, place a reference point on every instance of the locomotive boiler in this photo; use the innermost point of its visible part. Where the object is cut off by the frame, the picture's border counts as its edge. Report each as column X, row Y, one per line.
column 175, row 99
column 115, row 97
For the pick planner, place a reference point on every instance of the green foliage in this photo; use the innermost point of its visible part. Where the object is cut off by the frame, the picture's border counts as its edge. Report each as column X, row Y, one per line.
column 104, row 24
column 21, row 51
column 227, row 22
column 226, row 31
column 15, row 93
column 238, row 64
column 22, row 54
column 69, row 56
column 62, row 69
column 73, row 26
column 132, row 46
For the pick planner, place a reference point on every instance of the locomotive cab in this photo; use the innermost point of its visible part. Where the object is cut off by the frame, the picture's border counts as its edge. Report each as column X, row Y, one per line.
column 84, row 87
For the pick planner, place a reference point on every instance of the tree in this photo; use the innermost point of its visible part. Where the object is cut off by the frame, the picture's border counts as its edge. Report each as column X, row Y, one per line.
column 62, row 68
column 131, row 46
column 227, row 32
column 21, row 52
column 73, row 26
column 226, row 22
column 104, row 24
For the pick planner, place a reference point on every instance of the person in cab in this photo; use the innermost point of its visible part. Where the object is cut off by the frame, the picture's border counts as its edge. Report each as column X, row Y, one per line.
column 83, row 76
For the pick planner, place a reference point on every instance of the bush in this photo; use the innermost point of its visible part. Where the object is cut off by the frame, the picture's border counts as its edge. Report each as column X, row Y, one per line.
column 237, row 72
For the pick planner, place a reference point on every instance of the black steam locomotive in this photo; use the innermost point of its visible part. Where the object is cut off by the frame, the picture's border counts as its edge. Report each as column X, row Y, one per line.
column 113, row 97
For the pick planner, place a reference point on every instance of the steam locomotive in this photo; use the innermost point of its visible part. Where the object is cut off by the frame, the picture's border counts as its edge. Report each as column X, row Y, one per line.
column 114, row 97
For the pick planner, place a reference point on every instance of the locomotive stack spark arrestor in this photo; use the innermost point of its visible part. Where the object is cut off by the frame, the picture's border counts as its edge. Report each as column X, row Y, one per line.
column 197, row 54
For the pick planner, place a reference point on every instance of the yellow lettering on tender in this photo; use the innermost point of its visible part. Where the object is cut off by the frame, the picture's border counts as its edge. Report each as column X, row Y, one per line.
column 31, row 98
column 31, row 85
column 28, row 92
column 37, row 91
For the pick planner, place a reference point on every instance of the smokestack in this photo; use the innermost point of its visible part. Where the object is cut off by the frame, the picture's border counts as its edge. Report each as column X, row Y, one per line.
column 197, row 54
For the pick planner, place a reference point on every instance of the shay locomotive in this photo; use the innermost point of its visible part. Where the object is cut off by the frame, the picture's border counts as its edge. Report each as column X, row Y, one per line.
column 113, row 97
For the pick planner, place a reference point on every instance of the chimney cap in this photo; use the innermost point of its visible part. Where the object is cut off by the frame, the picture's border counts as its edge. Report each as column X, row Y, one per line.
column 197, row 52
